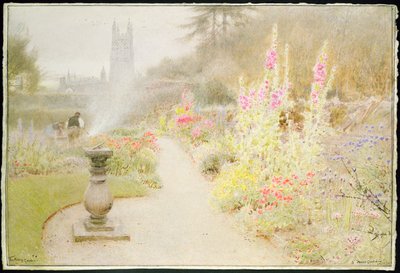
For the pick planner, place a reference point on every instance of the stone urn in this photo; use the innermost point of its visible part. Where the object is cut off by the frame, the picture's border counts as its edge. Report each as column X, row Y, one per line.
column 98, row 202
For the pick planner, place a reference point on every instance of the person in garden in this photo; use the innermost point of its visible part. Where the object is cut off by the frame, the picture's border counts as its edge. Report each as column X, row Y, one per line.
column 58, row 128
column 75, row 124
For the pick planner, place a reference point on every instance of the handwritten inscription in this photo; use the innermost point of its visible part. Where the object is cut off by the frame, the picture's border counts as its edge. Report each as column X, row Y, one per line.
column 23, row 260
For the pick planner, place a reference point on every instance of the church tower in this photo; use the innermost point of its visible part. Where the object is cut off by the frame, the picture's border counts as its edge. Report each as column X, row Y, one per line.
column 121, row 58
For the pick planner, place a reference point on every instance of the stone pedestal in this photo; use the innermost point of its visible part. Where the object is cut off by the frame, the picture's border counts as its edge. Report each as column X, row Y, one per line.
column 98, row 202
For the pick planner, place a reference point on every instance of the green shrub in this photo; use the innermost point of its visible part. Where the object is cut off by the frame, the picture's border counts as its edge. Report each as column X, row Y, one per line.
column 28, row 155
column 338, row 114
column 121, row 132
column 145, row 161
column 212, row 164
column 213, row 92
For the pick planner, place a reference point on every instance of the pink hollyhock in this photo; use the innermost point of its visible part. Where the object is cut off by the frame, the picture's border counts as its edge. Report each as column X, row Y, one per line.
column 244, row 102
column 320, row 73
column 314, row 96
column 261, row 94
column 270, row 63
column 277, row 98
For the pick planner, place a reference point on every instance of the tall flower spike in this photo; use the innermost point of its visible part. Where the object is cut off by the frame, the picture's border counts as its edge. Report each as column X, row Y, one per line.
column 286, row 75
column 320, row 73
column 272, row 56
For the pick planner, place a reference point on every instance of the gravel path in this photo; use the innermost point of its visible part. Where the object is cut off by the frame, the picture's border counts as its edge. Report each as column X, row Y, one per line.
column 174, row 226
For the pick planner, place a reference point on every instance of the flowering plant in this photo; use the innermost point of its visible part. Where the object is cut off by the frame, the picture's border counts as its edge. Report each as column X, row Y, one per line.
column 29, row 154
column 261, row 181
column 129, row 153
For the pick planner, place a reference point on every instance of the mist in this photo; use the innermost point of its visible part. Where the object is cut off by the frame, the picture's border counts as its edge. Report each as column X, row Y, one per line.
column 78, row 38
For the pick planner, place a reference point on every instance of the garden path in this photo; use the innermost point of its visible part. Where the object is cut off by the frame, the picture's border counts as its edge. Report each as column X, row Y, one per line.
column 173, row 226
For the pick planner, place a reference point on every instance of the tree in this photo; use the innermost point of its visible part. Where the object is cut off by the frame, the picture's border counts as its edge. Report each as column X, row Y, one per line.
column 22, row 63
column 212, row 24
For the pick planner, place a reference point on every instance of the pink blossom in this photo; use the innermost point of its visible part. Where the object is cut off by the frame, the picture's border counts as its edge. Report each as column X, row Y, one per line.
column 266, row 85
column 270, row 63
column 314, row 96
column 252, row 93
column 244, row 102
column 261, row 94
column 196, row 132
column 320, row 73
column 184, row 119
column 277, row 98
column 353, row 240
column 209, row 123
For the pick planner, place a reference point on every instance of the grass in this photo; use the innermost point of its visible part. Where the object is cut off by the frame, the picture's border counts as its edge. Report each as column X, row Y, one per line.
column 32, row 199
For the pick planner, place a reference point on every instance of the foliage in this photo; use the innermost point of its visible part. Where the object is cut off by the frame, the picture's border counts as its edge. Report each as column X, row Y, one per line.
column 130, row 154
column 363, row 72
column 21, row 62
column 213, row 92
column 338, row 115
column 151, row 180
column 212, row 24
column 189, row 125
column 32, row 199
column 28, row 154
column 211, row 164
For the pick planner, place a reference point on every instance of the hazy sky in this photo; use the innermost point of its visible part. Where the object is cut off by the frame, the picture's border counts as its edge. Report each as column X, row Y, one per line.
column 78, row 38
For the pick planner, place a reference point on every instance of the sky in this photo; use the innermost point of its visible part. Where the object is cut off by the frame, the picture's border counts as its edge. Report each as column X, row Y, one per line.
column 78, row 38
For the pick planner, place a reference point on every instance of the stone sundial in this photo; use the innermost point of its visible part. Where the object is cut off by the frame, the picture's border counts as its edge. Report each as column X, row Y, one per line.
column 98, row 202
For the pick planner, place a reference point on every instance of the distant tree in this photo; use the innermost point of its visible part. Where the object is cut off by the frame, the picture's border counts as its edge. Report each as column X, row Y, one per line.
column 21, row 62
column 212, row 24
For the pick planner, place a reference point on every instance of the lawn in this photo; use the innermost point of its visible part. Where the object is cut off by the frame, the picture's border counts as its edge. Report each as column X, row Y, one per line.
column 32, row 199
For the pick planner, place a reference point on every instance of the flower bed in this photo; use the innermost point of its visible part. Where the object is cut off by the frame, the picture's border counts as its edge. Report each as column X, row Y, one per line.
column 271, row 168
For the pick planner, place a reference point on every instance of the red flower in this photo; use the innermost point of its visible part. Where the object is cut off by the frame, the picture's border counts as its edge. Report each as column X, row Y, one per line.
column 276, row 180
column 286, row 181
column 136, row 145
column 310, row 174
column 184, row 119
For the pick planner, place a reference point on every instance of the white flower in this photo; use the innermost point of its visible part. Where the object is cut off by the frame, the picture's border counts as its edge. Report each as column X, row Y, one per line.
column 336, row 215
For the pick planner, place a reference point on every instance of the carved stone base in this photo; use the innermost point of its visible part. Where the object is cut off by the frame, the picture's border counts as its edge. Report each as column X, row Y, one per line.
column 84, row 230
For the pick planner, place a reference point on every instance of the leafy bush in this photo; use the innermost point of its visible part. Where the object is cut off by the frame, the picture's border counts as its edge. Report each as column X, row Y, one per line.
column 144, row 161
column 211, row 164
column 338, row 115
column 130, row 154
column 213, row 92
column 30, row 155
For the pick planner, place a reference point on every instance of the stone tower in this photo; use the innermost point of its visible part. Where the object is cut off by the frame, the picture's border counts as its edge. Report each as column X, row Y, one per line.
column 121, row 59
